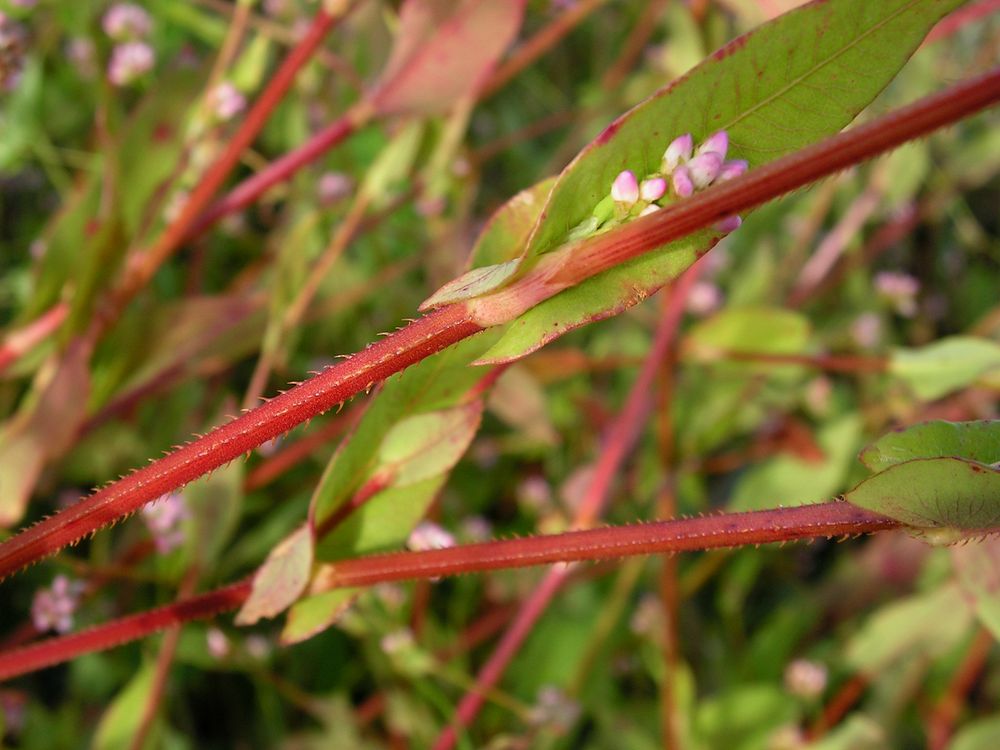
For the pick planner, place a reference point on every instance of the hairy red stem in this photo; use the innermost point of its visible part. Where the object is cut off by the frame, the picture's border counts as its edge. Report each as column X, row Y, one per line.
column 338, row 382
column 829, row 519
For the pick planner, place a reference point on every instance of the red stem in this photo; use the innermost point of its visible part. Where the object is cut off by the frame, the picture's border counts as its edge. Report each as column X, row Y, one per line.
column 451, row 324
column 338, row 382
column 942, row 720
column 680, row 535
column 277, row 171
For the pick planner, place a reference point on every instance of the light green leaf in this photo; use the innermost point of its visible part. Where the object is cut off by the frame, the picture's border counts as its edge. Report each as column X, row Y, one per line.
column 957, row 498
column 924, row 625
column 120, row 721
column 976, row 441
column 947, row 365
column 422, row 446
column 858, row 732
column 438, row 382
column 216, row 503
column 983, row 734
column 281, row 579
column 314, row 614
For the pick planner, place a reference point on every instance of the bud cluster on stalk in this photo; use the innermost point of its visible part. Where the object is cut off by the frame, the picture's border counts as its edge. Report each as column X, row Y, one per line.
column 683, row 172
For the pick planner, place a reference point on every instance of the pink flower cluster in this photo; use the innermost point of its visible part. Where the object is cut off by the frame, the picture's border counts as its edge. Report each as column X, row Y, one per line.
column 53, row 608
column 683, row 171
column 165, row 520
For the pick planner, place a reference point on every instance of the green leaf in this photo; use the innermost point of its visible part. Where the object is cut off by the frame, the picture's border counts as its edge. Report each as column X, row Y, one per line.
column 924, row 625
column 744, row 717
column 782, row 86
column 443, row 51
column 976, row 441
column 430, row 389
column 947, row 365
column 983, row 734
column 120, row 722
column 977, row 566
column 945, row 498
column 314, row 614
column 422, row 446
column 281, row 579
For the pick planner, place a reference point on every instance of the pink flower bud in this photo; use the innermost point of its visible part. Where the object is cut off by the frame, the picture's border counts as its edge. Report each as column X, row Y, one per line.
column 128, row 62
column 625, row 189
column 729, row 224
column 226, row 101
column 650, row 209
column 717, row 142
column 681, row 182
column 705, row 168
column 732, row 169
column 652, row 189
column 677, row 152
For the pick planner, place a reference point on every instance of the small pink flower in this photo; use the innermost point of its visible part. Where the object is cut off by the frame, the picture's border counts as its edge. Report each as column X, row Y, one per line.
column 704, row 297
column 732, row 169
column 900, row 289
column 53, row 608
column 128, row 62
column 806, row 679
column 705, row 168
column 717, row 142
column 681, row 181
column 729, row 224
column 125, row 21
column 625, row 188
column 333, row 186
column 428, row 535
column 678, row 152
column 226, row 101
column 217, row 642
column 81, row 53
column 652, row 189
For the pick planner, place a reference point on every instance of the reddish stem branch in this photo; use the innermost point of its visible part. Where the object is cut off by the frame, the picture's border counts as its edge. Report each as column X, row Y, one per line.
column 680, row 535
column 556, row 271
column 941, row 724
column 184, row 226
column 621, row 437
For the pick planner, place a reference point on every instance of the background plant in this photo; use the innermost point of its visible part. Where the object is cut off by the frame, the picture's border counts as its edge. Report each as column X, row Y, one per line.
column 115, row 353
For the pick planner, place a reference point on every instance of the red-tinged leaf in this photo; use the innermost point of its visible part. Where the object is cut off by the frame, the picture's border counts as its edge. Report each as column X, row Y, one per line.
column 444, row 51
column 282, row 578
column 43, row 429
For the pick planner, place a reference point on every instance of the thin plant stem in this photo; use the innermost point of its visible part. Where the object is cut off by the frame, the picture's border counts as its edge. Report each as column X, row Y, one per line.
column 941, row 723
column 620, row 440
column 830, row 519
